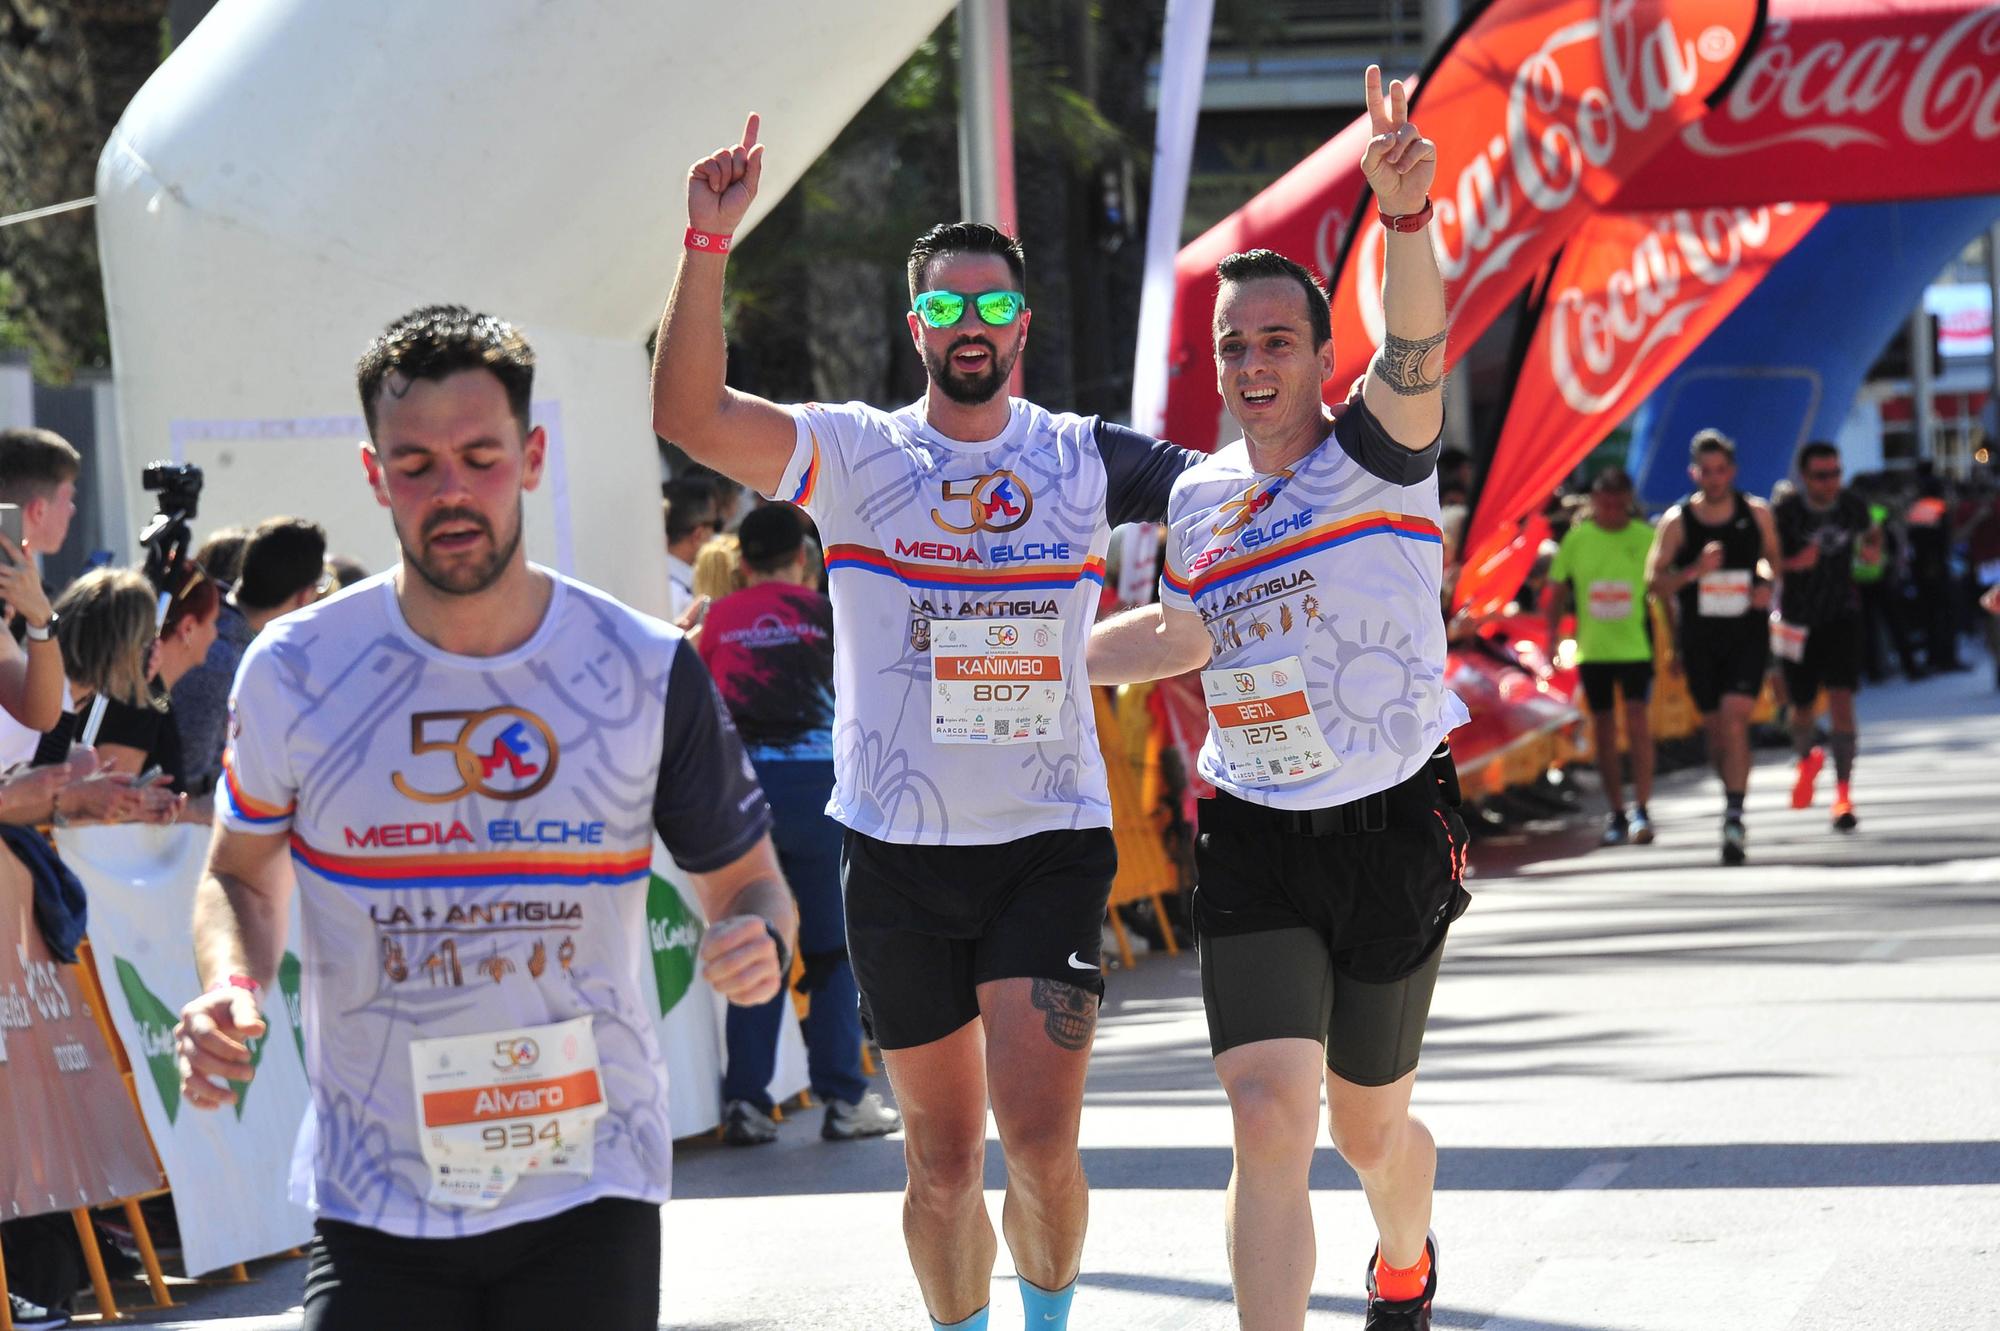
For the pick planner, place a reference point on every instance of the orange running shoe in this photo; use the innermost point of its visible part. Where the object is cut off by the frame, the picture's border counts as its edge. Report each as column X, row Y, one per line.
column 1843, row 816
column 1802, row 789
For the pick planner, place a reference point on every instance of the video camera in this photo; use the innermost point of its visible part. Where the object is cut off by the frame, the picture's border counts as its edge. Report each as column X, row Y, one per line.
column 167, row 536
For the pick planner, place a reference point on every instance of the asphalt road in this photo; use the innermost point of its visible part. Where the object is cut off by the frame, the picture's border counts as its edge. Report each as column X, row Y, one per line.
column 1670, row 1096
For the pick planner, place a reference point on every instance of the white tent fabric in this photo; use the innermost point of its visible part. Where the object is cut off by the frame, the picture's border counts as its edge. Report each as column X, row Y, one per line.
column 298, row 173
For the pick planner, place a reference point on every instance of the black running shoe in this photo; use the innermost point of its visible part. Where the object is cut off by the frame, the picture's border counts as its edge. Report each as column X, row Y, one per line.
column 1410, row 1314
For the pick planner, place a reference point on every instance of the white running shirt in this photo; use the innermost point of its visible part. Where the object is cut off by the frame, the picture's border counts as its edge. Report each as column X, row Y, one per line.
column 1337, row 561
column 920, row 530
column 472, row 838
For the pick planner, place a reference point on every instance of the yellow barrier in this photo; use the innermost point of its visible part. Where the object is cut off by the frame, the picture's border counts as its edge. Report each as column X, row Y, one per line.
column 1144, row 871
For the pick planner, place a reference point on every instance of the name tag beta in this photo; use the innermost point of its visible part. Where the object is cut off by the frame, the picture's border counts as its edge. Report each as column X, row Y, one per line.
column 1264, row 725
column 996, row 681
column 495, row 1106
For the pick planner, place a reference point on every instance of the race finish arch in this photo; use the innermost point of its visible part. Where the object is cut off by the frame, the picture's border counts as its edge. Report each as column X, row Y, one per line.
column 298, row 173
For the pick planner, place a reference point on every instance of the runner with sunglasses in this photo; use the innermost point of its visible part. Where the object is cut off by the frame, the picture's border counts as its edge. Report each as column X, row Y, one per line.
column 965, row 541
column 1816, row 632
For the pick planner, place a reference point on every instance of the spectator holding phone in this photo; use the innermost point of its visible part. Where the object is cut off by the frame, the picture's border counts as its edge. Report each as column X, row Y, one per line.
column 38, row 471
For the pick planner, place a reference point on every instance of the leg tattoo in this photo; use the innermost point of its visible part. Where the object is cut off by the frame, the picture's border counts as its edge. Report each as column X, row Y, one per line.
column 1070, row 1012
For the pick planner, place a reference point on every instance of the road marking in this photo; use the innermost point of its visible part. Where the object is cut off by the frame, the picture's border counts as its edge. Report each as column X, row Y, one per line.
column 1599, row 1175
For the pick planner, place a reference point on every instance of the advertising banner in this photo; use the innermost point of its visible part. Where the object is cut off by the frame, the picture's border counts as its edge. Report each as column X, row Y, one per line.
column 1632, row 294
column 228, row 1168
column 68, row 1134
column 1846, row 101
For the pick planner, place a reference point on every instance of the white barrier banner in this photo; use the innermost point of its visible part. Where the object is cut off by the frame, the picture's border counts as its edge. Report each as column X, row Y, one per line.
column 690, row 1015
column 228, row 1168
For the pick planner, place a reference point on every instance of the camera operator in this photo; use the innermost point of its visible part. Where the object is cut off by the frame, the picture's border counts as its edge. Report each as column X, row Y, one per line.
column 283, row 568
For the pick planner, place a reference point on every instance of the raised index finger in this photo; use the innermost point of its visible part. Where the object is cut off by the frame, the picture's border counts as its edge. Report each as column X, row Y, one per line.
column 750, row 127
column 1378, row 114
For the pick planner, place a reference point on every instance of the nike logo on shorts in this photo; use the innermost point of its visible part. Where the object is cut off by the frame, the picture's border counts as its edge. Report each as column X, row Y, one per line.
column 1079, row 964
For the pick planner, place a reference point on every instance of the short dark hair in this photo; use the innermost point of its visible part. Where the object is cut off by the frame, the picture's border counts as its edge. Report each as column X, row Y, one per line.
column 34, row 462
column 1812, row 450
column 1612, row 481
column 281, row 558
column 965, row 238
column 770, row 537
column 434, row 341
column 222, row 553
column 1249, row 265
column 1712, row 441
column 689, row 503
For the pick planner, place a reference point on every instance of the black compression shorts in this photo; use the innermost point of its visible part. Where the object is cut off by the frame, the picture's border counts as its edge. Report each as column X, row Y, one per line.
column 1334, row 938
column 597, row 1265
column 927, row 925
column 1604, row 680
column 1729, row 657
column 1832, row 660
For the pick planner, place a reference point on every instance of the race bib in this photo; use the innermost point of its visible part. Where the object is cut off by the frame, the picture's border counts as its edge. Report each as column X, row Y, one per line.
column 1724, row 594
column 1264, row 724
column 1610, row 602
column 495, row 1106
column 1788, row 641
column 996, row 681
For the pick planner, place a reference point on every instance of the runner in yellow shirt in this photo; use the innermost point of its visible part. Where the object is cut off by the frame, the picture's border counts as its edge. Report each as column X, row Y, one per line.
column 1601, row 570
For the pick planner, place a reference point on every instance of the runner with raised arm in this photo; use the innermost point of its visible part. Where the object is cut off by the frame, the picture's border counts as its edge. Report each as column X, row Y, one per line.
column 1304, row 570
column 965, row 539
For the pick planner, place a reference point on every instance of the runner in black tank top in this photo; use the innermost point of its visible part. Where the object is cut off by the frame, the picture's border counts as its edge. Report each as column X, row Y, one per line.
column 1713, row 560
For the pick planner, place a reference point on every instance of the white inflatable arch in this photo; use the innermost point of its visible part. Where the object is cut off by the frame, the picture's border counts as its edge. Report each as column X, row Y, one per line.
column 300, row 172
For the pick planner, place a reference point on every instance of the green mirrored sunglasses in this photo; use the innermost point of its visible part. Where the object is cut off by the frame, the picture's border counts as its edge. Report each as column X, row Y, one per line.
column 942, row 309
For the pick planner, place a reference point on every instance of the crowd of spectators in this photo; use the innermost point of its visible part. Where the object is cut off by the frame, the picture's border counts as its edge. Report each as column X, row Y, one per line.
column 114, row 704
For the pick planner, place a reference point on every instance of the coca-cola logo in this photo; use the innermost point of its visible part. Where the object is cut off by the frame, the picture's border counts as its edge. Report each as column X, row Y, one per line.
column 1576, row 103
column 1600, row 336
column 1941, row 84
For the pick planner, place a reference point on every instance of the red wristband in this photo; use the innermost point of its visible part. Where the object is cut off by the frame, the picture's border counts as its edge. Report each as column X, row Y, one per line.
column 243, row 982
column 1415, row 221
column 707, row 242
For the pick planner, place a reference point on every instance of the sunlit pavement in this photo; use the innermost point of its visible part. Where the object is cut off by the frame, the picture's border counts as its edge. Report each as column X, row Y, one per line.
column 1670, row 1096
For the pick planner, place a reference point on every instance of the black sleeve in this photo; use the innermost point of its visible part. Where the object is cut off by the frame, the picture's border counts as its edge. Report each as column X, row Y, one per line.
column 708, row 806
column 1139, row 472
column 1379, row 455
column 134, row 727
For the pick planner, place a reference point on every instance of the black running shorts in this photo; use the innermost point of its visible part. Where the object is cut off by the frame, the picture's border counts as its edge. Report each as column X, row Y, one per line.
column 1728, row 658
column 927, row 925
column 597, row 1265
column 1832, row 661
column 1333, row 938
column 1632, row 678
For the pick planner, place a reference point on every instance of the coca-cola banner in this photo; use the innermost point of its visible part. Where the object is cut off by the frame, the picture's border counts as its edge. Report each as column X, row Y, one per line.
column 1540, row 113
column 1631, row 295
column 1846, row 101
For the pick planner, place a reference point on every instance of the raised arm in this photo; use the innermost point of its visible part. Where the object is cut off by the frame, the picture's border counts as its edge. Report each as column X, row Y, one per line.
column 31, row 678
column 1405, row 384
column 739, row 434
column 241, row 908
column 1151, row 642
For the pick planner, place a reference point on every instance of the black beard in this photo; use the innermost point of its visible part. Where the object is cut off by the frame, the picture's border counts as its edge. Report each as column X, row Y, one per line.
column 976, row 389
column 464, row 580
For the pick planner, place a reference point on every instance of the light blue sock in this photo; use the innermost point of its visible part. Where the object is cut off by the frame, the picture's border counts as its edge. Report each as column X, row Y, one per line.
column 1047, row 1310
column 976, row 1322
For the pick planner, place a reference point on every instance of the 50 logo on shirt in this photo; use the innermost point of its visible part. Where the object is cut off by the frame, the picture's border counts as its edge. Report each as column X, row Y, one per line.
column 503, row 753
column 997, row 502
